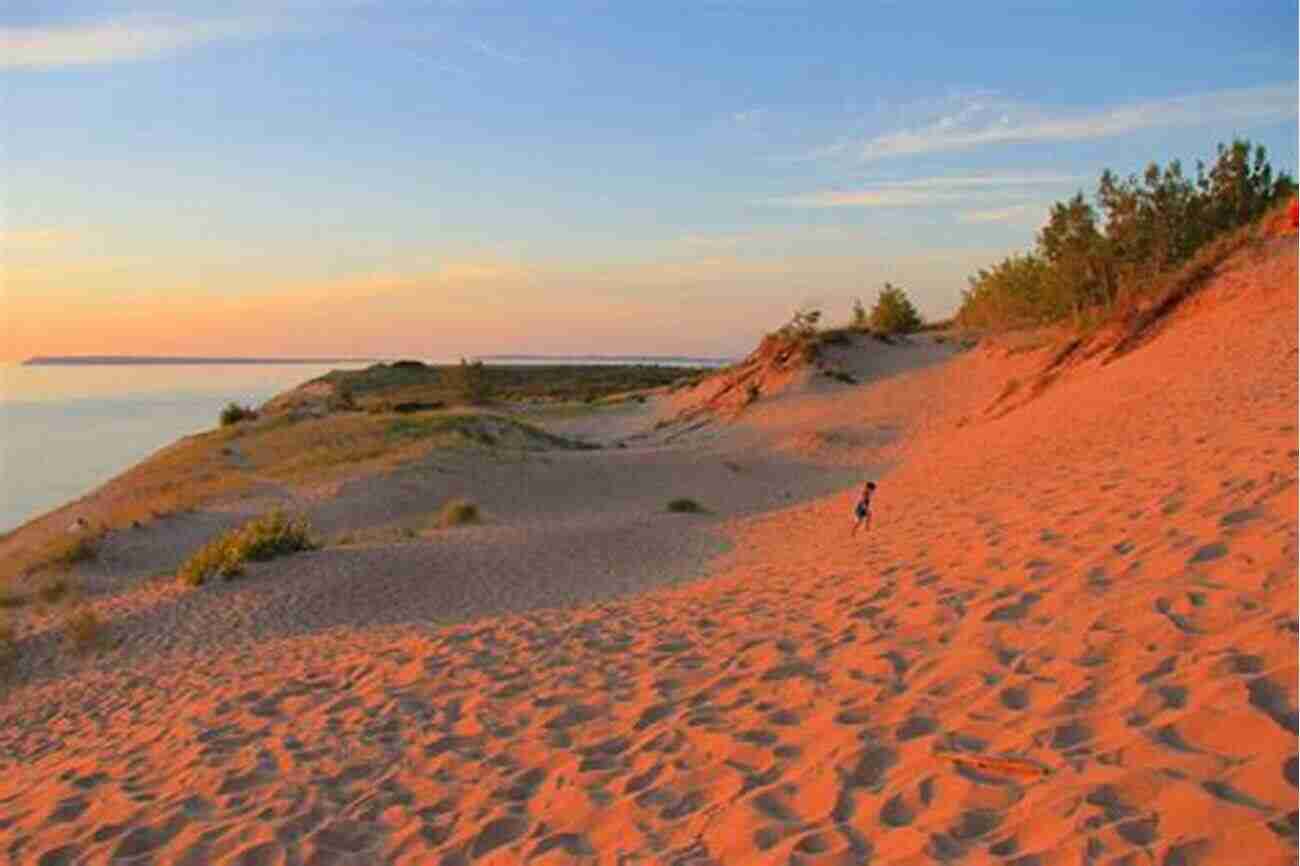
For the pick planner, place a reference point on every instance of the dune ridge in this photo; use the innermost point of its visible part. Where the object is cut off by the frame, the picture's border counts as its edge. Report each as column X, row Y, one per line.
column 1070, row 637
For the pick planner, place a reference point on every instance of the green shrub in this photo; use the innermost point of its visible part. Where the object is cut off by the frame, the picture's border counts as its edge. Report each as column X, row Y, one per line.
column 685, row 506
column 54, row 590
column 83, row 629
column 458, row 512
column 8, row 647
column 894, row 312
column 469, row 382
column 267, row 537
column 10, row 597
column 66, row 551
column 234, row 413
column 1088, row 259
column 859, row 319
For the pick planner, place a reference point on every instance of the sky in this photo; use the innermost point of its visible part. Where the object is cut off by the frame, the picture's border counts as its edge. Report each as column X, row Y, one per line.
column 436, row 179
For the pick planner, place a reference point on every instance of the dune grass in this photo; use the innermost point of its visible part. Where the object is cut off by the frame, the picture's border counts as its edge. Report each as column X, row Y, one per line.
column 83, row 629
column 457, row 512
column 382, row 386
column 8, row 645
column 225, row 462
column 75, row 548
column 54, row 590
column 181, row 477
column 272, row 535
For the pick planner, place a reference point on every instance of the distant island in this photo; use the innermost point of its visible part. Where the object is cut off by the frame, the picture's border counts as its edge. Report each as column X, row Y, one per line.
column 57, row 360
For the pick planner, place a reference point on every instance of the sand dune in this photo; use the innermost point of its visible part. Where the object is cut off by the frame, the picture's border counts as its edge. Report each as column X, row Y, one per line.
column 1070, row 637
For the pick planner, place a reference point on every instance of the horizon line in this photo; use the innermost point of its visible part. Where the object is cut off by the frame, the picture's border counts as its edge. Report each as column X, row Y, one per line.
column 55, row 360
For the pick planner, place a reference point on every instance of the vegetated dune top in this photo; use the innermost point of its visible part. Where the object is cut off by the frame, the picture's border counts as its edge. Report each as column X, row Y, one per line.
column 1069, row 636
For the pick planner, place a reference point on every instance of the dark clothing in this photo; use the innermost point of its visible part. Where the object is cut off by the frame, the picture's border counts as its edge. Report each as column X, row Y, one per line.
column 863, row 508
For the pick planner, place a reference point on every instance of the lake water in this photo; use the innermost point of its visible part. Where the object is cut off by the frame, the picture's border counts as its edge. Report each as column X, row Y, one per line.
column 66, row 429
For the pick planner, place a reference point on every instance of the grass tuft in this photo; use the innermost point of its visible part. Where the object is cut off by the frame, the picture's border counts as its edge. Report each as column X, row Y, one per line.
column 8, row 645
column 54, row 590
column 83, row 629
column 68, row 550
column 10, row 597
column 685, row 506
column 234, row 413
column 458, row 512
column 267, row 537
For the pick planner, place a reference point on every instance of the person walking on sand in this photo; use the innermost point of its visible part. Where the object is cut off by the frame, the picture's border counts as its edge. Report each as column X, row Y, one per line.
column 862, row 511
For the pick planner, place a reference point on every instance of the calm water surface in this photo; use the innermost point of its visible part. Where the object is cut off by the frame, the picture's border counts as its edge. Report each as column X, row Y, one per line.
column 64, row 430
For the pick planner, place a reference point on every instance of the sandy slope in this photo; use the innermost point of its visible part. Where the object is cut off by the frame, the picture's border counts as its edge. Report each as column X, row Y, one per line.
column 1100, row 584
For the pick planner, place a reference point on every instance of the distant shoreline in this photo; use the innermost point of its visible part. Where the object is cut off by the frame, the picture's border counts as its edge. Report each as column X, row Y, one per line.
column 99, row 360
column 160, row 360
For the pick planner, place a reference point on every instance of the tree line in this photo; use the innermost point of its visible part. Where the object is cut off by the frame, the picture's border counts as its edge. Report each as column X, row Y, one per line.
column 1090, row 256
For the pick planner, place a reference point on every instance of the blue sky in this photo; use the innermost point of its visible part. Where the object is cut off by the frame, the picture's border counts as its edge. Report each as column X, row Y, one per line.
column 460, row 177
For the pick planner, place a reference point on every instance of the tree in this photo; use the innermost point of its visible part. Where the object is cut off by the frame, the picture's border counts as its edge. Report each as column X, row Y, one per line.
column 1153, row 223
column 802, row 325
column 859, row 320
column 1011, row 293
column 1081, row 273
column 894, row 312
column 468, row 382
column 1240, row 191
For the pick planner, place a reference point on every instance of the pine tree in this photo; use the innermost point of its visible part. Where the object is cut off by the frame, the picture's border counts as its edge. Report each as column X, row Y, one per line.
column 894, row 312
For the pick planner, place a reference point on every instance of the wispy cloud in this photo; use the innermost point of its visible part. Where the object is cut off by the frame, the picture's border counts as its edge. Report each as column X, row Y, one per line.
column 775, row 234
column 495, row 52
column 133, row 38
column 748, row 117
column 1026, row 213
column 981, row 119
column 920, row 192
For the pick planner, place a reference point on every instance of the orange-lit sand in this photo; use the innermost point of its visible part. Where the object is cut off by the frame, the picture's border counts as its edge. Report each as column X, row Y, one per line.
column 1069, row 638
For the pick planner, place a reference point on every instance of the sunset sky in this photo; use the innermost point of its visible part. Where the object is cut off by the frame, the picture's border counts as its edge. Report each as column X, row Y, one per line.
column 435, row 179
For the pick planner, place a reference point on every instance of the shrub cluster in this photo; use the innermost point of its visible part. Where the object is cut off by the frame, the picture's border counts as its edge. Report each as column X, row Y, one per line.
column 469, row 382
column 1088, row 257
column 234, row 413
column 8, row 645
column 69, row 550
column 83, row 629
column 893, row 312
column 458, row 512
column 271, row 535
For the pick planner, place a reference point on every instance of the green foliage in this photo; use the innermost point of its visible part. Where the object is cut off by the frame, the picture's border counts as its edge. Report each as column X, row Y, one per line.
column 1086, row 260
column 83, row 629
column 469, row 382
column 66, row 551
column 10, row 597
column 8, row 646
column 1011, row 293
column 894, row 312
column 344, row 399
column 412, row 387
column 54, row 590
column 685, row 506
column 859, row 319
column 458, row 512
column 267, row 537
column 802, row 324
column 234, row 413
